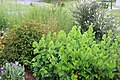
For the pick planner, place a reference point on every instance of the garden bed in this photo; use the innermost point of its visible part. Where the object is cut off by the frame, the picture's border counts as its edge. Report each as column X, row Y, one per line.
column 61, row 41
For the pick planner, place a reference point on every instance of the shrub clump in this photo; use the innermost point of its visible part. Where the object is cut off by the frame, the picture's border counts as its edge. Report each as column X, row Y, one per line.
column 86, row 12
column 75, row 56
column 18, row 41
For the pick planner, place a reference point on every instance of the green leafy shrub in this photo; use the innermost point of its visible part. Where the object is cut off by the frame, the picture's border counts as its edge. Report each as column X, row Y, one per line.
column 86, row 12
column 12, row 71
column 18, row 41
column 46, row 66
column 117, row 73
column 75, row 56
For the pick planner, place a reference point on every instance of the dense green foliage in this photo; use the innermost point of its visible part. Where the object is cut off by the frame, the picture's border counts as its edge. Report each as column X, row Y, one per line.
column 117, row 73
column 75, row 56
column 18, row 41
column 86, row 12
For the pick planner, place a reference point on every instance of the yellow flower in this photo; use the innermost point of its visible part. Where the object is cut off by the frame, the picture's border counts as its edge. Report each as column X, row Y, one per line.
column 0, row 42
column 3, row 46
column 76, row 76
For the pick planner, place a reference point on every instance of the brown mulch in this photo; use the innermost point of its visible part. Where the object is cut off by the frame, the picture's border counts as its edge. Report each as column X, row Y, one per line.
column 28, row 74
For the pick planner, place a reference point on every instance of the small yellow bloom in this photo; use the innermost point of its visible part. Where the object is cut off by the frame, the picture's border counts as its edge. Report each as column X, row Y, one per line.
column 3, row 46
column 76, row 76
column 0, row 42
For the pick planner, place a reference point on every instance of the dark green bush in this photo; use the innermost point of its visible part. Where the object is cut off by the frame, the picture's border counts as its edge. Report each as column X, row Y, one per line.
column 75, row 56
column 86, row 12
column 18, row 41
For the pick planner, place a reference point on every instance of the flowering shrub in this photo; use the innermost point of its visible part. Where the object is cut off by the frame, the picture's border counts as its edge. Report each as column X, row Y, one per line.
column 86, row 12
column 12, row 71
column 75, row 56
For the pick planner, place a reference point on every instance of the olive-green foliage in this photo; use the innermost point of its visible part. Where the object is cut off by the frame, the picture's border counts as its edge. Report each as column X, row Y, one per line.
column 64, row 56
column 18, row 41
column 86, row 12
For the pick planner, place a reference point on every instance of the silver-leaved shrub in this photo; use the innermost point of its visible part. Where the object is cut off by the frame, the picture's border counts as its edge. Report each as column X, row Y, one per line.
column 86, row 12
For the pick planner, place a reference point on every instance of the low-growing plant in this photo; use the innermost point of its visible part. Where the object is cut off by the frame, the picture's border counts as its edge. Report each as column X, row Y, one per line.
column 86, row 12
column 75, row 56
column 12, row 71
